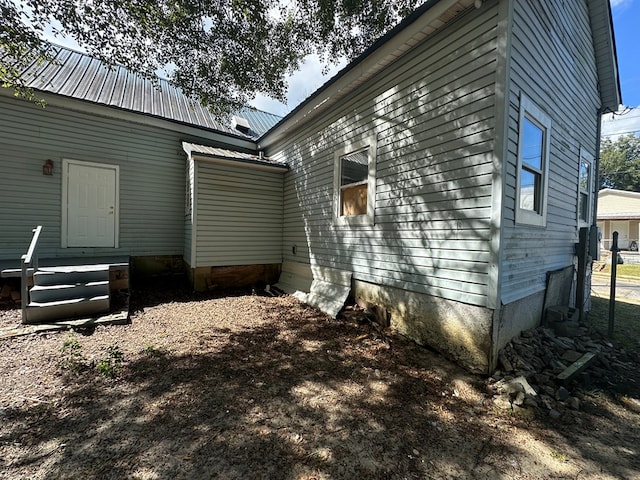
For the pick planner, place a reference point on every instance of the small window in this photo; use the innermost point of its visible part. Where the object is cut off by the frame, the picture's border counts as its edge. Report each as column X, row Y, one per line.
column 585, row 188
column 354, row 177
column 355, row 183
column 533, row 164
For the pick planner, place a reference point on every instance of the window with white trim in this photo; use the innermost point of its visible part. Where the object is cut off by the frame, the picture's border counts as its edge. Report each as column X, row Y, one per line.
column 354, row 183
column 533, row 164
column 585, row 188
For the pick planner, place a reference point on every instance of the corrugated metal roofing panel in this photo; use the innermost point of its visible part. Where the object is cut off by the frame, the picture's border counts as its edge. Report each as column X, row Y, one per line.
column 128, row 91
column 216, row 152
column 96, row 87
column 77, row 75
column 109, row 86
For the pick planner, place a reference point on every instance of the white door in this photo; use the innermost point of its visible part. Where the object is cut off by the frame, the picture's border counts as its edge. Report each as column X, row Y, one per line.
column 623, row 233
column 91, row 203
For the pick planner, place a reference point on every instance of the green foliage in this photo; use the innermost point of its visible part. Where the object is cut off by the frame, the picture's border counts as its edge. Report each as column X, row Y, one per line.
column 71, row 357
column 151, row 351
column 561, row 457
column 620, row 163
column 222, row 52
column 625, row 270
column 626, row 326
column 110, row 365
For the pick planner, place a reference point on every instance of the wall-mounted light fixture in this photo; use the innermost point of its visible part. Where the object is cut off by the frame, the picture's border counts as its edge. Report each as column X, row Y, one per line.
column 47, row 168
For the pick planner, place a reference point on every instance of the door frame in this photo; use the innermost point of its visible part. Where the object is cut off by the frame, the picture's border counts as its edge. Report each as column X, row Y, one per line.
column 66, row 162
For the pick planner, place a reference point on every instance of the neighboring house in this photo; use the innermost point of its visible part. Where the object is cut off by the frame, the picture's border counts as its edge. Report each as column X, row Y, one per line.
column 619, row 211
column 448, row 170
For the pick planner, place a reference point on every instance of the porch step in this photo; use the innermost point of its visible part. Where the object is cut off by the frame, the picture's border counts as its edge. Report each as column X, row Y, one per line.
column 14, row 272
column 64, row 292
column 70, row 275
column 52, row 293
column 38, row 312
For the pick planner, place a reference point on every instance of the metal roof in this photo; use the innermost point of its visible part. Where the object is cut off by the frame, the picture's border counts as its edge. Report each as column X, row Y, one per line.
column 195, row 150
column 80, row 76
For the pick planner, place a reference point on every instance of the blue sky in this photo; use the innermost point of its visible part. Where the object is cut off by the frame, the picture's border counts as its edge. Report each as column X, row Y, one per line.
column 626, row 14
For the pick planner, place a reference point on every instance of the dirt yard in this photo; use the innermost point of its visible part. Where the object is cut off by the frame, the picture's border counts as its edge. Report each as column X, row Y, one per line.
column 253, row 387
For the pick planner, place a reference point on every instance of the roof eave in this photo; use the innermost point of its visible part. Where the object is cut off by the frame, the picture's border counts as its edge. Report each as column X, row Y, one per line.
column 246, row 161
column 621, row 193
column 606, row 56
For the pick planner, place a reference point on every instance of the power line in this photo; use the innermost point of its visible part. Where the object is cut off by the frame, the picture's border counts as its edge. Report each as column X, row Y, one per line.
column 626, row 132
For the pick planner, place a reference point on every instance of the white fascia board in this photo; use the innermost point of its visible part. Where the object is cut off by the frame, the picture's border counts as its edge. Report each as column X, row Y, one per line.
column 613, row 192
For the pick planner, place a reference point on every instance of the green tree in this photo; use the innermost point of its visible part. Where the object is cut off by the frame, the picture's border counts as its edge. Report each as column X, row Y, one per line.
column 620, row 163
column 222, row 52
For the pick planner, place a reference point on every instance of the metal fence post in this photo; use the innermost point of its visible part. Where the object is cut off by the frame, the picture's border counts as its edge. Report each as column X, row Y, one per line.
column 612, row 291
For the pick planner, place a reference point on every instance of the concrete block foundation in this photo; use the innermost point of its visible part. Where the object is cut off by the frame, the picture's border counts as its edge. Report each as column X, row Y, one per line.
column 236, row 276
column 459, row 331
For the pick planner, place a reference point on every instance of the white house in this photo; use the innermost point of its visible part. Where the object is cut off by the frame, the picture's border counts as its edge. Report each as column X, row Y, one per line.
column 447, row 170
column 619, row 211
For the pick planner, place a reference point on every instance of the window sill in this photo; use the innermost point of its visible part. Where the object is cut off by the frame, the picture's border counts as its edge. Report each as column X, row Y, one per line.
column 353, row 220
column 530, row 219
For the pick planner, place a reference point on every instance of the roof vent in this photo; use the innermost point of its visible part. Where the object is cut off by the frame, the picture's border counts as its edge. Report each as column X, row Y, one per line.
column 240, row 124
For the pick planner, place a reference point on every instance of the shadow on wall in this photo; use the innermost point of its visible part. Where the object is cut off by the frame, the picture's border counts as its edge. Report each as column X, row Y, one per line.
column 432, row 231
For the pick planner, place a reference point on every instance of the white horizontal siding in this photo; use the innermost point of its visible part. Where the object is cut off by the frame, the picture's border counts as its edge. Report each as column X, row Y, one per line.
column 553, row 64
column 239, row 216
column 152, row 178
column 433, row 115
column 619, row 203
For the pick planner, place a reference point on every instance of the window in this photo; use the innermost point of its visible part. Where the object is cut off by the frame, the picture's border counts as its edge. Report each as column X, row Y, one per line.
column 533, row 164
column 354, row 183
column 585, row 188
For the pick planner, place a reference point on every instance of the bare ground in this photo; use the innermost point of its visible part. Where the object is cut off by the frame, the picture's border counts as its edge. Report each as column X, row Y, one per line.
column 252, row 387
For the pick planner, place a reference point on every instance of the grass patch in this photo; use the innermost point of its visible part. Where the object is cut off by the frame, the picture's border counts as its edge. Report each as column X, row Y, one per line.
column 110, row 364
column 622, row 270
column 71, row 356
column 152, row 351
column 627, row 321
column 559, row 456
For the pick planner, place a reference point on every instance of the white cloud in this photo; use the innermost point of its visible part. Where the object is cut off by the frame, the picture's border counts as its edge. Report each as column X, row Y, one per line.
column 301, row 84
column 619, row 3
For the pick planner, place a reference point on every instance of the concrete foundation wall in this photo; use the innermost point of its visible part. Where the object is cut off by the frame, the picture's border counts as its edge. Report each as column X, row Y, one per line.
column 156, row 265
column 461, row 332
column 236, row 276
column 514, row 318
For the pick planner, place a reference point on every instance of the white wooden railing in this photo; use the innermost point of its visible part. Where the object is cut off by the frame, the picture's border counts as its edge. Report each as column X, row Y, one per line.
column 29, row 261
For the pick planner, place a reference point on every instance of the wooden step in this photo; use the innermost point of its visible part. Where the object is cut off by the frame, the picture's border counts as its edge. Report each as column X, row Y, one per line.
column 66, row 309
column 53, row 293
